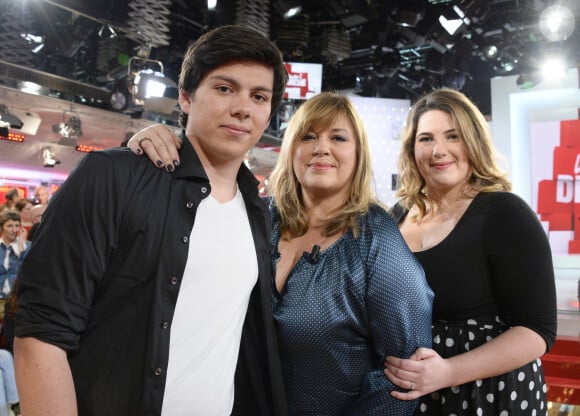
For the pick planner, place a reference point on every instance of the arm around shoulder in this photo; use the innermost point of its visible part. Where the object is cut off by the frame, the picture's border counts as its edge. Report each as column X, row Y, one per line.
column 43, row 378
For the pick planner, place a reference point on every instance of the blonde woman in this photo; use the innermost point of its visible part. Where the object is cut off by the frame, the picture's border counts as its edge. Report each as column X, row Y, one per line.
column 348, row 292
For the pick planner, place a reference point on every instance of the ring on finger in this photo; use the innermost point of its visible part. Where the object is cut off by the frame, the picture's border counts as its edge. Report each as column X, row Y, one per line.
column 143, row 139
column 412, row 386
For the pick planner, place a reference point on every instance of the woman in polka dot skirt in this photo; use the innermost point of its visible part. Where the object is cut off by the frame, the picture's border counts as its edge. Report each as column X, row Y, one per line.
column 486, row 257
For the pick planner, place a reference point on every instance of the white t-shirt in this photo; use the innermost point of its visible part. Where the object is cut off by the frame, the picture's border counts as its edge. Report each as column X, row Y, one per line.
column 220, row 273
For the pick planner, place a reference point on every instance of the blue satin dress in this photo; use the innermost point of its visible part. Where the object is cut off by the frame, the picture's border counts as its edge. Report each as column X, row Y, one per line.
column 337, row 319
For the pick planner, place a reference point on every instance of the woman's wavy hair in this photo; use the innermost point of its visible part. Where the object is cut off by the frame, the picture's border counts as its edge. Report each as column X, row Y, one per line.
column 485, row 174
column 316, row 114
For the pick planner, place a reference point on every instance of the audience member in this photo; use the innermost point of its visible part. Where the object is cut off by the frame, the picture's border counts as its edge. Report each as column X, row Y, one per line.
column 13, row 249
column 348, row 290
column 24, row 206
column 488, row 260
column 147, row 293
column 12, row 196
column 36, row 214
column 41, row 195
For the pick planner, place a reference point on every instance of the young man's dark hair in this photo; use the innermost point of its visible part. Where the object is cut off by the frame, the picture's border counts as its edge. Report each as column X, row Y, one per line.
column 231, row 43
column 155, row 299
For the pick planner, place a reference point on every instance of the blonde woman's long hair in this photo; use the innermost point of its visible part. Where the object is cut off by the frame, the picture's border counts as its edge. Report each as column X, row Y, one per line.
column 485, row 174
column 316, row 114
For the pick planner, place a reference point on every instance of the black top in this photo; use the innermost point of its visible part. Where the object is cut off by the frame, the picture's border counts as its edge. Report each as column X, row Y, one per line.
column 102, row 279
column 496, row 261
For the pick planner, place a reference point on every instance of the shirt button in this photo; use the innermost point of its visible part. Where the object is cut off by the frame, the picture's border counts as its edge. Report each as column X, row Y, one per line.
column 158, row 371
column 185, row 239
column 164, row 325
column 203, row 189
column 173, row 280
column 189, row 204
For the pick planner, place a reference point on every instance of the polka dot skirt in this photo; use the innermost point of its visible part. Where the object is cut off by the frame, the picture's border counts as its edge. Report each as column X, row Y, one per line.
column 520, row 392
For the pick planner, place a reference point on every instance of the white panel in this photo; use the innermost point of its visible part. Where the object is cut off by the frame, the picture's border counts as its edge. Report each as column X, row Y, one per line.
column 30, row 121
column 384, row 119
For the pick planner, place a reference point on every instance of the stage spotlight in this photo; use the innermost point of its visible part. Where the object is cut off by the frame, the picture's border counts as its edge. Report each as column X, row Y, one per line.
column 490, row 52
column 288, row 8
column 150, row 89
column 70, row 128
column 553, row 68
column 48, row 157
column 556, row 22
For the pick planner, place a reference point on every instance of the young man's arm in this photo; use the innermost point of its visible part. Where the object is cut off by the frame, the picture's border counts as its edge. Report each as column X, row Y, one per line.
column 43, row 378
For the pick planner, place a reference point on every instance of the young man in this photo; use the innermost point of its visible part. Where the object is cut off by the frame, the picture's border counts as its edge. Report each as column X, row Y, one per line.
column 13, row 250
column 155, row 297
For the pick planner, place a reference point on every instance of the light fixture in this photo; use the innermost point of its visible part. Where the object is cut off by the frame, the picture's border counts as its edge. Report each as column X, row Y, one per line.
column 148, row 87
column 490, row 52
column 32, row 88
column 150, row 84
column 48, row 157
column 556, row 22
column 71, row 127
column 288, row 8
column 553, row 68
column 211, row 4
column 510, row 58
column 11, row 119
column 33, row 40
column 107, row 32
column 508, row 66
column 454, row 20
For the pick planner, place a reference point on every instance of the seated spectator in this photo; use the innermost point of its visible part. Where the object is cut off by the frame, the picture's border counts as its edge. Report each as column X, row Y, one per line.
column 13, row 249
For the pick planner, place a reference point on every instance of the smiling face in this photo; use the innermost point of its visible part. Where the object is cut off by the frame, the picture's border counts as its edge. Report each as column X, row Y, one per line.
column 324, row 160
column 228, row 111
column 440, row 153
